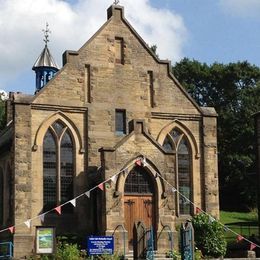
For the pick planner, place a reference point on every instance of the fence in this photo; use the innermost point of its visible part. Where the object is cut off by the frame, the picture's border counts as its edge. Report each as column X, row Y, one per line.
column 6, row 250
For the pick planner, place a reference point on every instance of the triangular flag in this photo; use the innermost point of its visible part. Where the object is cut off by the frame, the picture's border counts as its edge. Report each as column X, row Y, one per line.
column 113, row 178
column 73, row 202
column 87, row 193
column 239, row 238
column 226, row 229
column 125, row 172
column 138, row 162
column 211, row 219
column 145, row 164
column 58, row 209
column 198, row 210
column 186, row 201
column 101, row 186
column 173, row 189
column 28, row 223
column 252, row 246
column 11, row 229
column 42, row 216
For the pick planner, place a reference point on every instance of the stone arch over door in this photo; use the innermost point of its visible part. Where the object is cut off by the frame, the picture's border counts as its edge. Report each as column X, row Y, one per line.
column 140, row 200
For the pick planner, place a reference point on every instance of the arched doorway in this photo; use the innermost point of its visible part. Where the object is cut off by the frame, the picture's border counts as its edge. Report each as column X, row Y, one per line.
column 139, row 201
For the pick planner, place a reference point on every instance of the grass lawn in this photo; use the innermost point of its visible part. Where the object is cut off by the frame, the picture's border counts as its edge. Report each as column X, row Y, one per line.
column 242, row 223
column 227, row 217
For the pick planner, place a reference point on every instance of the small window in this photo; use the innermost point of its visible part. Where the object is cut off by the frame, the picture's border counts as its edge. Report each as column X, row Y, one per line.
column 120, row 123
column 119, row 50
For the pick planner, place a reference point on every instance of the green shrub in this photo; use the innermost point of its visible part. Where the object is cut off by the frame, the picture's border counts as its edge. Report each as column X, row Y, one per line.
column 66, row 251
column 173, row 255
column 209, row 236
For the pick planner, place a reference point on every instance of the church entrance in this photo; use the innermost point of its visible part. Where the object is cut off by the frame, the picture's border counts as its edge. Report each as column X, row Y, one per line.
column 139, row 201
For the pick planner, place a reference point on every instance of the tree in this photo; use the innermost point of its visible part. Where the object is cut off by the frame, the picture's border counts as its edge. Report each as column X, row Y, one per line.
column 2, row 114
column 234, row 90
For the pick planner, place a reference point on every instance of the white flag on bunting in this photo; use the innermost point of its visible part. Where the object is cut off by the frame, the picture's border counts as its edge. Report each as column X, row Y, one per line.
column 73, row 202
column 87, row 193
column 28, row 223
column 113, row 178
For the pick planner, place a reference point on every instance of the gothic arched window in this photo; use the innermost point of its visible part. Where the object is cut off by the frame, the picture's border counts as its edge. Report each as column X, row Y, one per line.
column 58, row 166
column 138, row 181
column 1, row 197
column 177, row 142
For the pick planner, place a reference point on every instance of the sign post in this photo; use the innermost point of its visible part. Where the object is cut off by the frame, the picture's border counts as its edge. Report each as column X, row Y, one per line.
column 100, row 245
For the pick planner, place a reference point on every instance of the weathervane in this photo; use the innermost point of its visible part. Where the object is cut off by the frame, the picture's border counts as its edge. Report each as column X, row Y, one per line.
column 46, row 33
column 116, row 2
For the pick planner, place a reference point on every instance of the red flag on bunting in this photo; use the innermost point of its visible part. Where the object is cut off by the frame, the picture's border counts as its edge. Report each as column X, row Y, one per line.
column 11, row 229
column 198, row 210
column 101, row 186
column 138, row 162
column 58, row 209
column 239, row 238
column 252, row 246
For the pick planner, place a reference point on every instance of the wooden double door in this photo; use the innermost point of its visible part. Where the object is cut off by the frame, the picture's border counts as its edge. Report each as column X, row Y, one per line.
column 138, row 208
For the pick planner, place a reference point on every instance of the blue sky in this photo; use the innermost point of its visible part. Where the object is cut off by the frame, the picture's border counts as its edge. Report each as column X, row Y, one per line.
column 207, row 30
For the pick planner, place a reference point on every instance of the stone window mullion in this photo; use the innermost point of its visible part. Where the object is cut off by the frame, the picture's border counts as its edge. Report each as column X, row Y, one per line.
column 58, row 174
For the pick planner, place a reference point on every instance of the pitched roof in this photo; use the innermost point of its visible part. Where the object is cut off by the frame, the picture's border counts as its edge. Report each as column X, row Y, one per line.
column 45, row 60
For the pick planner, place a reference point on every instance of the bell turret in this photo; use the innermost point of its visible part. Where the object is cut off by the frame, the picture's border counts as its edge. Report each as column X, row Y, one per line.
column 45, row 67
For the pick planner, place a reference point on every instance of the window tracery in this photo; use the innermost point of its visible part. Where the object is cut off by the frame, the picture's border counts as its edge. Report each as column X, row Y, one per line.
column 58, row 165
column 177, row 142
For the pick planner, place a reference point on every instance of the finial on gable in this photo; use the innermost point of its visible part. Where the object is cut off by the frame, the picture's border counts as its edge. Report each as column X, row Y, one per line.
column 46, row 33
column 115, row 10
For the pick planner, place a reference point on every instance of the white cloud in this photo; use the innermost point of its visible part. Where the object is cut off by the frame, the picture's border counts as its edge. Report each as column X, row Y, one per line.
column 21, row 24
column 243, row 8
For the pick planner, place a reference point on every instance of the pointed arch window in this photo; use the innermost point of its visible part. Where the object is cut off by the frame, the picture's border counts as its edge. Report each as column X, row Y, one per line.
column 138, row 181
column 58, row 166
column 177, row 142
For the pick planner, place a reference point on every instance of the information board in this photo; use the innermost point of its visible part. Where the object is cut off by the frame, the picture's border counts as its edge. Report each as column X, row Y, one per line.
column 100, row 245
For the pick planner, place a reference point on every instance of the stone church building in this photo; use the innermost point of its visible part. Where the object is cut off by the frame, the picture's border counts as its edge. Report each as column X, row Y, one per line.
column 112, row 104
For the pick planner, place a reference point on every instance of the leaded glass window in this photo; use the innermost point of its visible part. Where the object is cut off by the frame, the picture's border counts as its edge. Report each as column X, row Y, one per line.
column 58, row 166
column 176, row 141
column 138, row 181
column 184, row 176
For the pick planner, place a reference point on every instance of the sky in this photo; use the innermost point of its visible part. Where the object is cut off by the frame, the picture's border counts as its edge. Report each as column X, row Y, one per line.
column 205, row 30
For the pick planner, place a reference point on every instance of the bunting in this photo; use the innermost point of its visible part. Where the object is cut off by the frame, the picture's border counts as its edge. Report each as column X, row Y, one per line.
column 198, row 210
column 42, row 217
column 252, row 246
column 87, row 193
column 11, row 229
column 28, row 223
column 138, row 162
column 114, row 179
column 101, row 186
column 174, row 190
column 239, row 238
column 73, row 202
column 145, row 164
column 58, row 210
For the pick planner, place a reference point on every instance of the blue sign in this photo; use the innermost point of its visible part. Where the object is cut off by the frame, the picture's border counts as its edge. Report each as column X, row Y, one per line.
column 101, row 245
